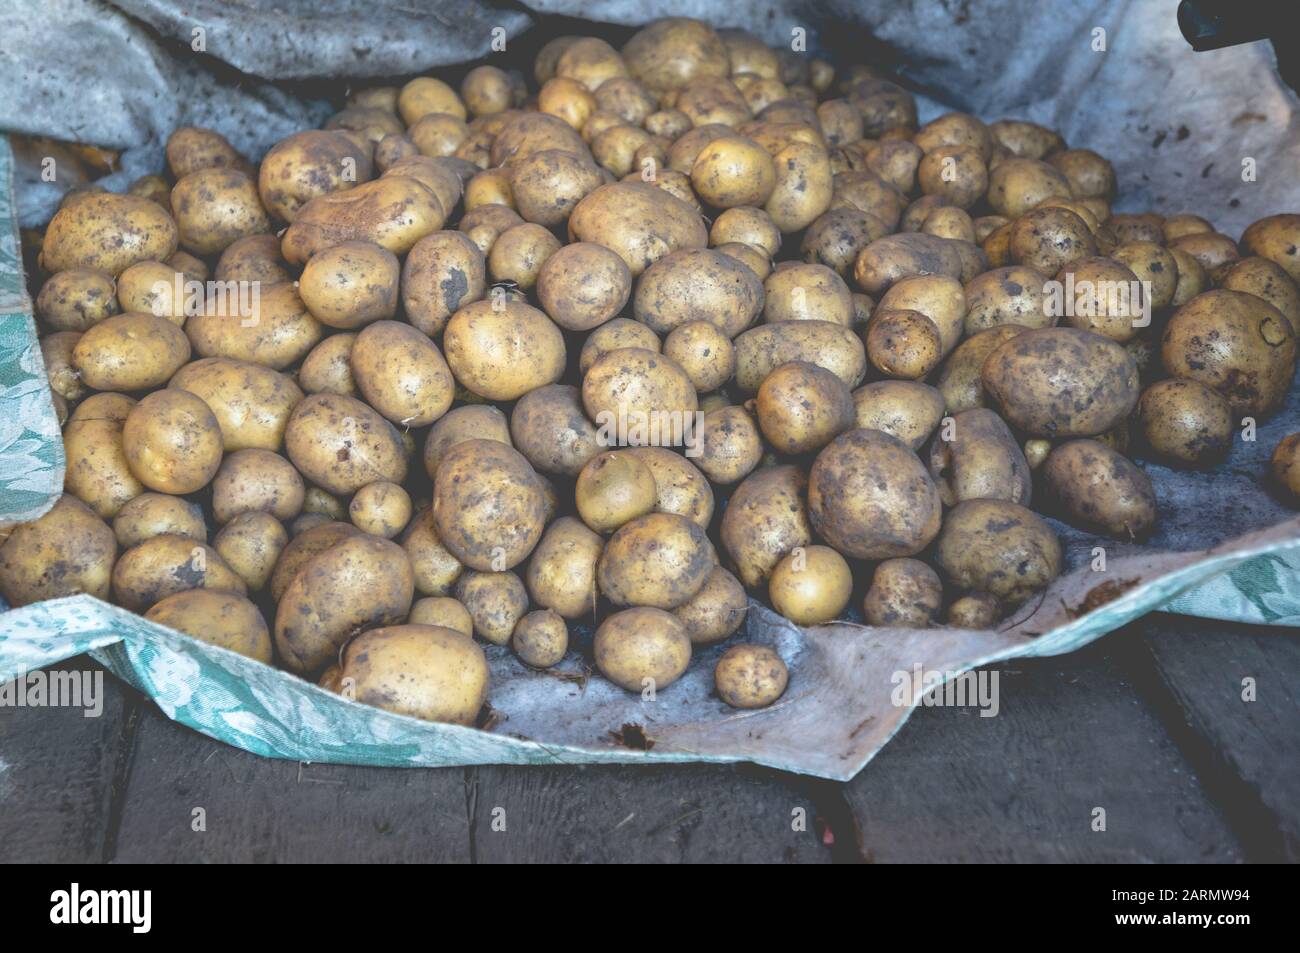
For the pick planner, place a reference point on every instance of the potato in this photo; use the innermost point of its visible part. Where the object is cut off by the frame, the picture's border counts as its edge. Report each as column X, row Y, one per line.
column 642, row 649
column 394, row 211
column 257, row 481
column 541, row 638
column 1013, row 295
column 728, row 444
column 402, row 374
column 252, row 403
column 342, row 444
column 837, row 237
column 680, row 487
column 130, row 352
column 717, row 611
column 908, row 410
column 871, row 498
column 765, row 519
column 1108, row 299
column 158, row 289
column 637, row 221
column 191, row 148
column 442, row 611
column 98, row 473
column 108, row 233
column 978, row 611
column 1210, row 249
column 503, row 352
column 1099, row 488
column 762, row 349
column 444, row 176
column 660, row 560
column 613, row 488
column 1018, row 185
column 56, row 354
column 274, row 328
column 566, row 99
column 750, row 676
column 361, row 582
column 615, row 335
column 351, row 284
column 393, row 149
column 436, row 569
column 704, row 352
column 1236, row 343
column 309, row 542
column 979, row 459
column 496, row 601
column 438, row 134
column 327, row 368
column 75, row 299
column 806, row 292
column 811, row 585
column 381, row 509
column 152, row 514
column 751, row 226
column 425, row 671
column 954, row 172
column 1061, row 382
column 904, row 593
column 251, row 544
column 698, row 285
column 316, row 500
column 1047, row 239
column 218, row 618
column 903, row 343
column 1192, row 279
column 583, row 285
column 959, row 381
column 215, row 207
column 998, row 547
column 1286, row 465
column 471, row 422
column 164, row 565
column 1267, row 280
column 488, row 504
column 895, row 257
column 172, row 442
column 802, row 407
column 1276, row 238
column 306, row 165
column 647, row 397
column 733, row 171
column 1186, row 422
column 675, row 52
column 803, row 186
column 443, row 272
column 67, row 551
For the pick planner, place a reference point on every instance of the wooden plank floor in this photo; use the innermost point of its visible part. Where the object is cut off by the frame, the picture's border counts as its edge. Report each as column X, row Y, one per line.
column 1149, row 725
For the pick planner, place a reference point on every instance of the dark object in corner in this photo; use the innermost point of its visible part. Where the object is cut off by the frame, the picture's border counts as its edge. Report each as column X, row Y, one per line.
column 1216, row 24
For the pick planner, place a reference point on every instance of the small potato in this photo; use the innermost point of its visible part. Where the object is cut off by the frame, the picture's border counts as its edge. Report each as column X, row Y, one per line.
column 870, row 497
column 316, row 500
column 642, row 648
column 660, row 560
column 802, row 407
column 1061, row 382
column 1286, row 465
column 612, row 488
column 520, row 253
column 704, row 352
column 637, row 221
column 108, row 233
column 67, row 551
column 256, row 481
column 424, row 95
column 762, row 349
column 394, row 211
column 163, row 565
column 959, row 381
column 156, row 288
column 442, row 611
column 56, row 353
column 436, row 569
column 698, row 285
column 615, row 335
column 1048, row 239
column 733, row 171
column 153, row 514
column 766, row 518
column 192, row 148
column 251, row 402
column 635, row 389
column 1185, row 422
column 1153, row 264
column 903, row 343
column 503, row 353
column 977, row 457
column 716, row 611
column 496, row 601
column 949, row 222
column 1108, row 299
column 811, row 585
column 998, row 547
column 730, row 444
column 904, row 594
column 251, row 544
column 804, row 292
column 1192, row 279
column 541, row 638
column 216, row 207
column 425, row 671
column 392, row 149
column 755, row 259
column 1267, row 280
column 98, row 473
column 803, row 187
column 488, row 504
column 1101, row 489
column 438, row 134
column 978, row 611
column 218, row 618
column 567, row 99
column 381, row 509
column 751, row 226
column 1013, row 295
column 443, row 272
column 342, row 444
column 750, row 676
column 1277, row 238
column 172, row 442
column 327, row 369
column 1018, row 185
column 562, row 572
column 583, row 285
column 351, row 285
column 358, row 583
column 306, row 165
column 402, row 374
column 471, row 422
column 908, row 410
column 75, row 299
column 274, row 328
column 130, row 352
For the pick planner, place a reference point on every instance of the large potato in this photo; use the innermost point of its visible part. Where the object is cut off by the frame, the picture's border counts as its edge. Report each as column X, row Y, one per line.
column 109, row 233
column 152, row 514
column 275, row 328
column 634, row 388
column 470, row 422
column 870, row 497
column 698, row 284
column 1186, row 422
column 361, row 582
column 394, row 211
column 642, row 649
column 75, row 299
column 218, row 618
column 425, row 671
column 308, row 164
column 251, row 402
column 1101, row 489
column 130, row 352
column 765, row 519
column 488, row 504
column 761, row 350
column 216, row 207
column 67, row 551
column 351, row 284
column 503, row 351
column 402, row 374
column 802, row 407
column 960, row 381
column 548, row 185
column 549, row 427
column 583, row 285
column 660, row 560
column 172, row 442
column 675, row 52
column 342, row 444
column 979, row 459
column 639, row 222
column 888, row 260
column 163, row 565
column 998, row 547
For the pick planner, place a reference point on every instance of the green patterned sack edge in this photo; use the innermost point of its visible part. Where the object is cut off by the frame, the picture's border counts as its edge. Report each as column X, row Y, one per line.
column 31, row 448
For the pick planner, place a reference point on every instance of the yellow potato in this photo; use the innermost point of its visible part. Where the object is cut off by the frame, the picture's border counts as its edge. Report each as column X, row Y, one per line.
column 108, row 233
column 503, row 352
column 642, row 649
column 394, row 211
column 424, row 671
column 218, row 618
column 67, row 551
column 130, row 352
column 172, row 442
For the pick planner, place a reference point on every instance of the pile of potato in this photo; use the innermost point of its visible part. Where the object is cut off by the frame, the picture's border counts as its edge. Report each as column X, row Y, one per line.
column 404, row 446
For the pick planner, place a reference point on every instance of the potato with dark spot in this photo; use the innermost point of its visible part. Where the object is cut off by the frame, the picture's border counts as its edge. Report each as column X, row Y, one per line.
column 216, row 207
column 698, row 284
column 164, row 565
column 998, row 547
column 1018, row 185
column 251, row 545
column 351, row 284
column 1268, row 280
column 981, row 460
column 1236, row 343
column 108, row 233
column 425, row 671
column 1013, row 295
column 561, row 574
column 870, row 497
column 130, row 352
column 765, row 519
column 811, row 585
column 251, row 402
column 903, row 343
column 488, row 504
column 1108, row 299
column 308, row 164
column 342, row 444
column 1286, row 465
column 257, row 481
column 806, row 292
column 393, row 211
column 660, row 560
column 908, row 410
column 762, row 349
column 274, row 328
column 75, row 299
column 960, row 382
column 218, row 618
column 837, row 237
column 503, row 352
column 496, row 601
column 583, row 285
column 750, row 676
column 642, row 648
column 152, row 514
column 402, row 374
column 172, row 442
column 638, row 221
column 978, row 610
column 359, row 583
column 549, row 427
column 955, row 172
column 191, row 148
column 704, row 352
column 680, row 486
column 1047, row 239
column 443, row 272
column 1151, row 263
column 1101, row 489
column 67, row 551
column 1061, row 382
column 802, row 407
column 1185, row 422
column 888, row 260
column 541, row 638
column 1277, row 238
column 614, row 335
column 904, row 594
column 381, row 509
column 469, row 422
column 716, row 611
column 98, row 473
column 637, row 389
